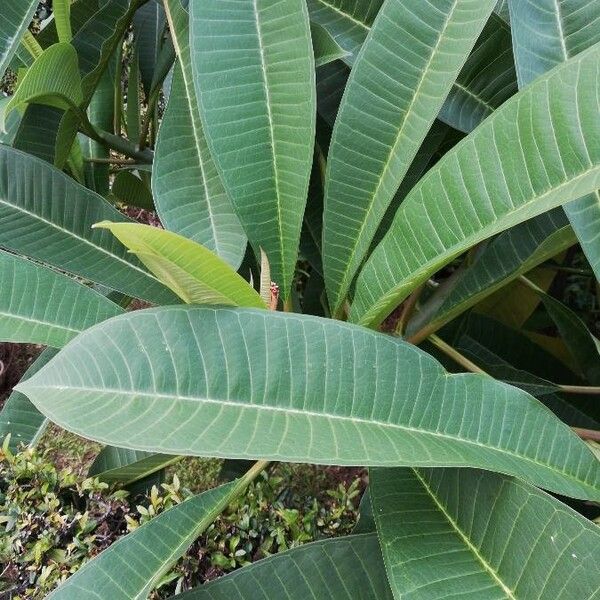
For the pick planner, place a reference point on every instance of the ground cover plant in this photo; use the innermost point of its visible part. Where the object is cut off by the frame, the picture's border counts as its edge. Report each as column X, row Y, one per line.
column 323, row 232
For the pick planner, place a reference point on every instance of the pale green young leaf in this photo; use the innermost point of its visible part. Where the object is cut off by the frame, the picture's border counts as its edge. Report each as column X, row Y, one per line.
column 193, row 272
column 387, row 110
column 53, row 80
column 302, row 389
column 537, row 151
column 262, row 136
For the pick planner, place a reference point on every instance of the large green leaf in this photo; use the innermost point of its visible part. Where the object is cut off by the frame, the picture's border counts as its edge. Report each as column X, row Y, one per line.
column 16, row 16
column 486, row 81
column 120, row 465
column 131, row 567
column 40, row 306
column 53, row 79
column 194, row 273
column 388, row 107
column 546, row 33
column 189, row 195
column 244, row 383
column 537, row 151
column 19, row 416
column 346, row 568
column 46, row 215
column 465, row 533
column 509, row 255
column 262, row 136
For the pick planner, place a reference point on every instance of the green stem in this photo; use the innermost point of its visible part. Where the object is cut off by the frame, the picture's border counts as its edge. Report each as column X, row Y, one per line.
column 240, row 485
column 31, row 44
column 463, row 361
column 123, row 146
column 455, row 355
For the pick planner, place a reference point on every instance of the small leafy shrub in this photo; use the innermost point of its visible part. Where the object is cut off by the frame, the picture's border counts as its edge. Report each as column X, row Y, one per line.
column 52, row 521
column 325, row 232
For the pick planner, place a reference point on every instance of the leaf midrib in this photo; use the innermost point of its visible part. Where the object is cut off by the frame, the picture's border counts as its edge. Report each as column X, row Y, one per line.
column 464, row 538
column 195, row 117
column 393, row 148
column 78, row 237
column 38, row 322
column 295, row 411
column 265, row 82
column 346, row 15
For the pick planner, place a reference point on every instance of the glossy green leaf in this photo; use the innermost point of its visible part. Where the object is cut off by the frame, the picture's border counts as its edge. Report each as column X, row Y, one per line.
column 98, row 38
column 53, row 80
column 331, row 83
column 46, row 215
column 243, row 383
column 346, row 568
column 388, row 108
column 189, row 195
column 19, row 416
column 131, row 190
column 47, row 133
column 194, row 273
column 149, row 27
column 123, row 466
column 523, row 172
column 512, row 253
column 40, row 306
column 141, row 558
column 101, row 115
column 326, row 49
column 486, row 81
column 546, row 33
column 582, row 344
column 509, row 355
column 16, row 16
column 524, row 543
column 262, row 136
